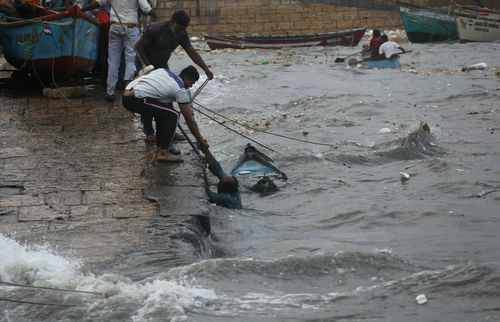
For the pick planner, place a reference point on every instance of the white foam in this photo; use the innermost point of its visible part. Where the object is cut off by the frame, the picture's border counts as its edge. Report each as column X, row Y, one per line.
column 42, row 266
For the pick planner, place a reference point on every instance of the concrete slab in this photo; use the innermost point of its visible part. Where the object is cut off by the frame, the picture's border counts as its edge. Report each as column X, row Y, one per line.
column 76, row 173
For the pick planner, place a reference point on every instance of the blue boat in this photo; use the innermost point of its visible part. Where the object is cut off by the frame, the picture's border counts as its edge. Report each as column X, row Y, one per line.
column 60, row 45
column 382, row 63
column 424, row 25
column 376, row 62
column 256, row 164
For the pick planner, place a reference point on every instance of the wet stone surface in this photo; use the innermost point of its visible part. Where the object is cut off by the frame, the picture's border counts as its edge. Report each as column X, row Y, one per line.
column 76, row 173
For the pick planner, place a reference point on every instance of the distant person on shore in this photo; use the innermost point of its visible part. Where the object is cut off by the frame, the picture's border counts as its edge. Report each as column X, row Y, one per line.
column 156, row 46
column 389, row 49
column 123, row 35
column 228, row 194
column 152, row 95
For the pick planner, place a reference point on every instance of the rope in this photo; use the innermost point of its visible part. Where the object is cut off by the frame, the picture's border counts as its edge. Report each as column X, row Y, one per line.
column 35, row 303
column 49, row 288
column 252, row 128
column 43, row 22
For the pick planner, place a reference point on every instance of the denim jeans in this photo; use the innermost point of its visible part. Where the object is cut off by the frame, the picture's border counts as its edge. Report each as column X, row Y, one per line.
column 119, row 42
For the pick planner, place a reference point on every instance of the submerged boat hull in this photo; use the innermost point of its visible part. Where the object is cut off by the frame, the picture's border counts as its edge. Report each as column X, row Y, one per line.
column 256, row 164
column 424, row 25
column 61, row 44
column 477, row 24
column 344, row 38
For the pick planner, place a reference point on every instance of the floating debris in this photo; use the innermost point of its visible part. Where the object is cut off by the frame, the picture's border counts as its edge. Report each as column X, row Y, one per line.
column 478, row 66
column 404, row 176
column 421, row 299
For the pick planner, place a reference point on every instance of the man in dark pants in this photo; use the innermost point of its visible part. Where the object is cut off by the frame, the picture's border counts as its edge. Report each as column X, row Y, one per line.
column 157, row 44
column 152, row 95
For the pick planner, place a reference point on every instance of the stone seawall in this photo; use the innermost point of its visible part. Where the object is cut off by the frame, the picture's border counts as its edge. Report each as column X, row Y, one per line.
column 274, row 17
column 76, row 173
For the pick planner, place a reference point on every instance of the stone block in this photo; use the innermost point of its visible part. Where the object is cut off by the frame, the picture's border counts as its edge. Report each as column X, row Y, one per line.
column 39, row 213
column 21, row 200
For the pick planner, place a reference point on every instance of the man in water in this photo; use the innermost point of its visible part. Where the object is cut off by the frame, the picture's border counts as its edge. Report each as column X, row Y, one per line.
column 389, row 49
column 157, row 44
column 228, row 194
column 152, row 95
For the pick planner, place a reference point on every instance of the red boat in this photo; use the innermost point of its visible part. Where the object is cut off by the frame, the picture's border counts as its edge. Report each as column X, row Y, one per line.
column 342, row 38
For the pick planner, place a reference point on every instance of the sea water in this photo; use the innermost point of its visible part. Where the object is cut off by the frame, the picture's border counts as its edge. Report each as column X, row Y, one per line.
column 344, row 239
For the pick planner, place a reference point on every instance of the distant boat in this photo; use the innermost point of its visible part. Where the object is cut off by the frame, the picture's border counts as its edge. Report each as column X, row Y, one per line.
column 60, row 44
column 427, row 24
column 256, row 164
column 342, row 38
column 477, row 24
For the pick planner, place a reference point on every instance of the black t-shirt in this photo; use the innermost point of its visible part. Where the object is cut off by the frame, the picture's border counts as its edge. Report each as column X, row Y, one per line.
column 159, row 42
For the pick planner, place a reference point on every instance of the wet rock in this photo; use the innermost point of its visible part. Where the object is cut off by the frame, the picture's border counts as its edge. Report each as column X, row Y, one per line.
column 65, row 92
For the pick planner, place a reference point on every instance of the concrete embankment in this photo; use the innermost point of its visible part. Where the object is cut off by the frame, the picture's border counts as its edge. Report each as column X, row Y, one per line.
column 76, row 173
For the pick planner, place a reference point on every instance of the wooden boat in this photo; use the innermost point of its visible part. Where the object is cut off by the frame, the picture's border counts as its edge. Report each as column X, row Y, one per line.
column 427, row 24
column 58, row 44
column 255, row 163
column 477, row 24
column 342, row 38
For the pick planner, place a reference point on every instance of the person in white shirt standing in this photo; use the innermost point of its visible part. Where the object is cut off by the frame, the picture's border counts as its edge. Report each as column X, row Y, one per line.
column 389, row 49
column 123, row 35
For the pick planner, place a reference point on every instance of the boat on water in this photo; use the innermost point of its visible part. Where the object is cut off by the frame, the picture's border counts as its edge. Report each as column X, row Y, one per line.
column 342, row 38
column 424, row 25
column 477, row 23
column 376, row 62
column 382, row 63
column 256, row 164
column 61, row 45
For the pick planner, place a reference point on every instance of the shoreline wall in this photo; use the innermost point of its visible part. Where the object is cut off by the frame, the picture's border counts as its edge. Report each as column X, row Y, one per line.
column 278, row 17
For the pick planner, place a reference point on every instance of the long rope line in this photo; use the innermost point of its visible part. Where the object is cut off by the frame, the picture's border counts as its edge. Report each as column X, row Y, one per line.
column 232, row 130
column 49, row 288
column 252, row 128
column 35, row 303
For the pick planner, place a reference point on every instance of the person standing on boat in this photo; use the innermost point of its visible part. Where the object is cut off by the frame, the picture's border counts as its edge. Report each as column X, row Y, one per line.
column 123, row 34
column 389, row 49
column 156, row 46
column 152, row 95
column 228, row 194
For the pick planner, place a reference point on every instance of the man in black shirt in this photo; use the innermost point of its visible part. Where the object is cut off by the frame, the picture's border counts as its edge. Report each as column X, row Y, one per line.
column 157, row 44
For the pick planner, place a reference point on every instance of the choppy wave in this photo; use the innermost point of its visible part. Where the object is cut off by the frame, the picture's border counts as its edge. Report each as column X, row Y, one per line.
column 231, row 288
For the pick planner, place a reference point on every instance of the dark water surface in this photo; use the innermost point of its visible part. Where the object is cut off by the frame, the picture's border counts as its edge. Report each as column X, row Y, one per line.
column 344, row 239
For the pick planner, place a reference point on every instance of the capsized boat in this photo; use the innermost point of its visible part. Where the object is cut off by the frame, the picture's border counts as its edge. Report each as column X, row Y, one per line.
column 477, row 23
column 255, row 163
column 342, row 38
column 55, row 44
column 424, row 25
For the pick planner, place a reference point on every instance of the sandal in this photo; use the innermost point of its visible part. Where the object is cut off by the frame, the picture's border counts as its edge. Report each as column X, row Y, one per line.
column 179, row 137
column 150, row 138
column 164, row 156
